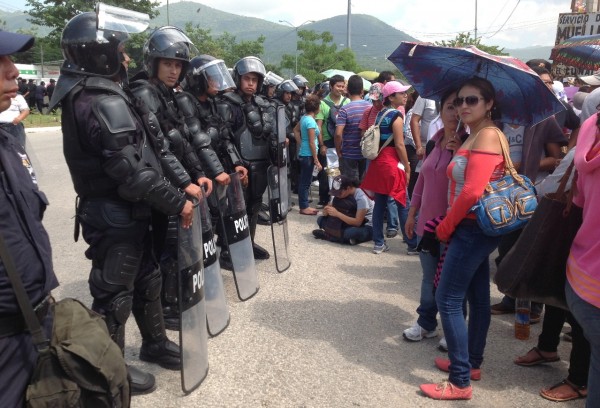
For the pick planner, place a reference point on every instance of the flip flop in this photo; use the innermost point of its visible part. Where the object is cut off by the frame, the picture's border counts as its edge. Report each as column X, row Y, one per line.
column 577, row 389
column 540, row 360
column 308, row 212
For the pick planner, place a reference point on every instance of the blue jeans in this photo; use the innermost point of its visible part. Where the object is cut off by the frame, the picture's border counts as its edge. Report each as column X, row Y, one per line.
column 588, row 317
column 427, row 309
column 403, row 213
column 360, row 234
column 466, row 274
column 392, row 214
column 306, row 168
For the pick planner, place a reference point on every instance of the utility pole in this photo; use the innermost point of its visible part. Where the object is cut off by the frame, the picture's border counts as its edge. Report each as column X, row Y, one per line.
column 475, row 20
column 348, row 44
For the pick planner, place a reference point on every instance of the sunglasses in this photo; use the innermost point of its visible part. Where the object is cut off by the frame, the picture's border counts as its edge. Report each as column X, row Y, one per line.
column 470, row 100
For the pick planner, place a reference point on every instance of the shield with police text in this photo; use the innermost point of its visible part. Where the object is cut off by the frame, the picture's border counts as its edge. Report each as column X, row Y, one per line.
column 239, row 243
column 279, row 197
column 193, row 336
column 217, row 312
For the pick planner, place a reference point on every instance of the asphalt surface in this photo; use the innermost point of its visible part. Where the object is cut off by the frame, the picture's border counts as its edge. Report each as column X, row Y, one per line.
column 325, row 333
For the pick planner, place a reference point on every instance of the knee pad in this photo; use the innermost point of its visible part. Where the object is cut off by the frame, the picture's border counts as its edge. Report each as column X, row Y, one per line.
column 121, row 265
column 148, row 286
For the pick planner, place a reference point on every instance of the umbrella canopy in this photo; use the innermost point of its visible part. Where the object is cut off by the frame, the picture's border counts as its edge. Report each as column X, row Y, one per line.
column 522, row 96
column 582, row 51
column 369, row 75
column 346, row 74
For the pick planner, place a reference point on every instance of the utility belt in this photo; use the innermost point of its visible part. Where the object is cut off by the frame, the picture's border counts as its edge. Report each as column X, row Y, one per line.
column 15, row 324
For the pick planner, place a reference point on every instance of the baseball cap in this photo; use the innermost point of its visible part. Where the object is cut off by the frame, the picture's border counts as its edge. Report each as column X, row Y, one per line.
column 593, row 79
column 376, row 91
column 578, row 99
column 339, row 184
column 11, row 43
column 393, row 87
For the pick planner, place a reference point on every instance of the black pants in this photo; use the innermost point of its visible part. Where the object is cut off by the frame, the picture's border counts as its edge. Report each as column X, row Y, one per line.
column 413, row 159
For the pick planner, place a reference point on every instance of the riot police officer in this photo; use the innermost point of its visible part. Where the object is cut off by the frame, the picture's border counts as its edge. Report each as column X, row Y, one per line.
column 205, row 78
column 251, row 119
column 284, row 93
column 118, row 161
column 166, row 56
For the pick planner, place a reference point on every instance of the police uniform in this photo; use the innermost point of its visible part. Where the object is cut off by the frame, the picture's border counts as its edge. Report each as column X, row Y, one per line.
column 22, row 206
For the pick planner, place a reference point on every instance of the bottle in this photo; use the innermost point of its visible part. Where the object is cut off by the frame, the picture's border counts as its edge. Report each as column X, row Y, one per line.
column 522, row 323
column 315, row 171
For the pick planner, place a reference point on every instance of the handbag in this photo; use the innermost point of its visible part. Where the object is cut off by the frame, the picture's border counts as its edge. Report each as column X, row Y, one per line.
column 506, row 204
column 535, row 267
column 333, row 226
column 369, row 144
column 80, row 366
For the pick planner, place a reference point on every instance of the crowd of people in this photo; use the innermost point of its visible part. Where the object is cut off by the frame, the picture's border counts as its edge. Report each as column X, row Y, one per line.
column 141, row 150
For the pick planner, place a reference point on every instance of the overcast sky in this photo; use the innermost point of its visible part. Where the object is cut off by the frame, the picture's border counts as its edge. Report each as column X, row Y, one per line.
column 533, row 22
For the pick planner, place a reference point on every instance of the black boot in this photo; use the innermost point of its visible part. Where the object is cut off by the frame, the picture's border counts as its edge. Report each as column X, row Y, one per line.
column 164, row 352
column 260, row 252
column 140, row 382
column 171, row 318
column 225, row 260
column 264, row 218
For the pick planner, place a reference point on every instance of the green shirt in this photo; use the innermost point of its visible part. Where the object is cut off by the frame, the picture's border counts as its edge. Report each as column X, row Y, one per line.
column 324, row 114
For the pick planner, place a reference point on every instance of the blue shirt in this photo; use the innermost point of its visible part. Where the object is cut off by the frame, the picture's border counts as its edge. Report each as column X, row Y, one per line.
column 307, row 122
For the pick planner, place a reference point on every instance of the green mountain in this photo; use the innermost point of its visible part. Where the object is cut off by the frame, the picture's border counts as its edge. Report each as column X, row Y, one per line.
column 372, row 40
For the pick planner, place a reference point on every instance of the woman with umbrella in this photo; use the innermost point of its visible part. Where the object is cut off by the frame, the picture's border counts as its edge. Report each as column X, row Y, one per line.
column 465, row 273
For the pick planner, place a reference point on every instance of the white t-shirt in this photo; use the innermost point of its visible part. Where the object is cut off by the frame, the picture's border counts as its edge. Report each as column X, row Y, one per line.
column 515, row 142
column 17, row 105
column 364, row 203
column 427, row 109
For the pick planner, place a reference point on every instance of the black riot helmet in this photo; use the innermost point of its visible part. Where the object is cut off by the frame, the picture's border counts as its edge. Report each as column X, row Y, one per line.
column 301, row 82
column 247, row 65
column 90, row 51
column 286, row 86
column 166, row 42
column 204, row 70
column 271, row 80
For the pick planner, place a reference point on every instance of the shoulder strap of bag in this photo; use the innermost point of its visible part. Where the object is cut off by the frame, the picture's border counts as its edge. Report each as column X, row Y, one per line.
column 33, row 324
column 509, row 167
column 389, row 139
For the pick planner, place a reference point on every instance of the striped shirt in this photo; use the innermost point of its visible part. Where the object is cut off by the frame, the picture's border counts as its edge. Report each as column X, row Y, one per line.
column 350, row 116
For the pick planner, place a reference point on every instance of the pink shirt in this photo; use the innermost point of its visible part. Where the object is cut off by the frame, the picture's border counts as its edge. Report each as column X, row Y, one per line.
column 583, row 266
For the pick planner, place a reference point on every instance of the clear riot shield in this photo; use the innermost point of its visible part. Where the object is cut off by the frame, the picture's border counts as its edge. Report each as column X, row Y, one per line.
column 193, row 336
column 217, row 312
column 279, row 199
column 237, row 234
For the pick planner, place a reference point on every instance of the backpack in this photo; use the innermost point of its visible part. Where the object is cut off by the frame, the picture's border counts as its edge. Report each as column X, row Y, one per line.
column 333, row 226
column 369, row 144
column 333, row 112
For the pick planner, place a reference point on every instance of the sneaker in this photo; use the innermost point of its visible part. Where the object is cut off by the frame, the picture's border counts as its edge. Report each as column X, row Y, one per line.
column 442, row 345
column 444, row 365
column 319, row 234
column 352, row 241
column 417, row 333
column 535, row 317
column 377, row 249
column 315, row 183
column 447, row 391
column 391, row 233
column 412, row 251
column 501, row 308
column 321, row 205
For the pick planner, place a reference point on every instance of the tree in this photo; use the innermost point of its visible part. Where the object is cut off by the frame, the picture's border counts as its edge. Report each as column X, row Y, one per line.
column 317, row 53
column 225, row 46
column 465, row 39
column 56, row 13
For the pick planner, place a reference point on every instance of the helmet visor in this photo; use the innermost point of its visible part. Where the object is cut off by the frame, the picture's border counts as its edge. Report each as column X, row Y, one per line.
column 250, row 64
column 120, row 19
column 166, row 37
column 273, row 79
column 288, row 86
column 216, row 74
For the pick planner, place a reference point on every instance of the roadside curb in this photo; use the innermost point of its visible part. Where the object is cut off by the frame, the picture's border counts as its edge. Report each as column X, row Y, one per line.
column 42, row 129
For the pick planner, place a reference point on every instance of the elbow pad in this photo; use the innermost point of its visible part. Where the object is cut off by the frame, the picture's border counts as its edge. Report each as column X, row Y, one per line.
column 208, row 158
column 147, row 185
column 174, row 170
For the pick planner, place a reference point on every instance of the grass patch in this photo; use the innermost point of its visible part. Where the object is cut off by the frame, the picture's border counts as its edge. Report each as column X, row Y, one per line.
column 37, row 120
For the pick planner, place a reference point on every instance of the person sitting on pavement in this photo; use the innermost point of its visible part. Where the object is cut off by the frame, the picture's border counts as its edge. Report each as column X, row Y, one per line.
column 348, row 219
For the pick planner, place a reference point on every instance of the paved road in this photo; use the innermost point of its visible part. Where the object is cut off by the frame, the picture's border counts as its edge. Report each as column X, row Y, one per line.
column 326, row 333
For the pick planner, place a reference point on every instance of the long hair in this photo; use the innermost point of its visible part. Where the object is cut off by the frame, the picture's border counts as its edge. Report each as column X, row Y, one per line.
column 487, row 92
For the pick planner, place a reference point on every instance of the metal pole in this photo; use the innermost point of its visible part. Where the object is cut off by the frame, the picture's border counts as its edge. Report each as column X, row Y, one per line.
column 168, row 13
column 296, row 72
column 348, row 44
column 475, row 19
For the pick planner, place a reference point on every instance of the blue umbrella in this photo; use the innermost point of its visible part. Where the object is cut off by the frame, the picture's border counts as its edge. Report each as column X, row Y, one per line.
column 582, row 51
column 522, row 96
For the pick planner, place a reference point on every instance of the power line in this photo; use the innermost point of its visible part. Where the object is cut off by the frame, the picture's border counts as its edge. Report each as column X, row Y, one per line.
column 508, row 18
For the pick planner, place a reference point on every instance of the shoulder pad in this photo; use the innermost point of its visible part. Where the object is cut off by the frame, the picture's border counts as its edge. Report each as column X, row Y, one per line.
column 113, row 113
column 186, row 104
column 144, row 91
column 233, row 97
column 105, row 85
